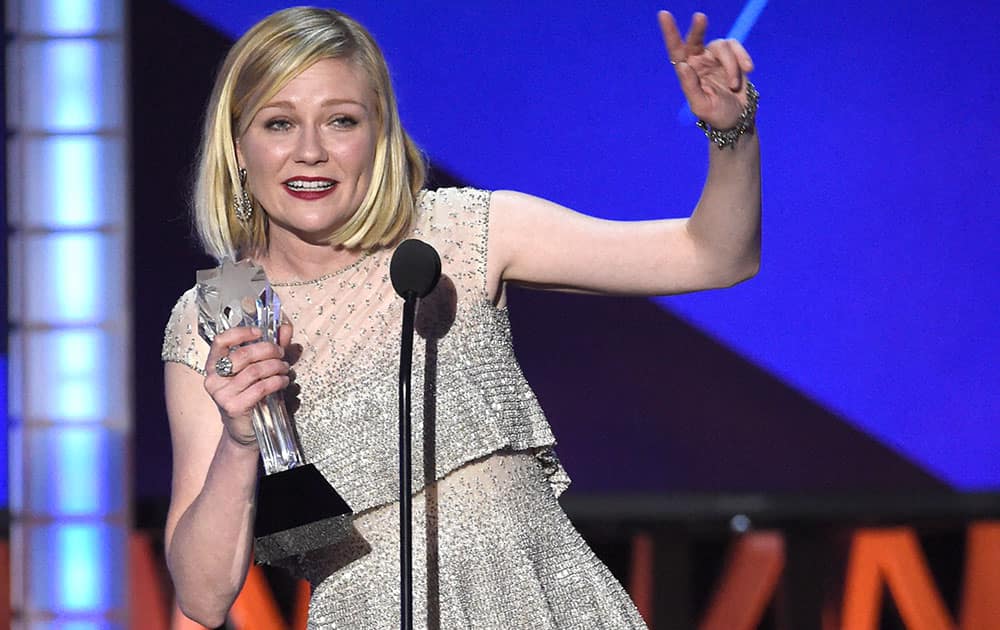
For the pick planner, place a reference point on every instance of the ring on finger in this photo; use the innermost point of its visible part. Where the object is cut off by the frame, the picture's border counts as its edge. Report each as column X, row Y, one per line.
column 224, row 366
column 674, row 63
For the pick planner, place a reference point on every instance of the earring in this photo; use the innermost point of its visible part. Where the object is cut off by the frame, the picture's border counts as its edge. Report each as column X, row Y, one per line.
column 242, row 206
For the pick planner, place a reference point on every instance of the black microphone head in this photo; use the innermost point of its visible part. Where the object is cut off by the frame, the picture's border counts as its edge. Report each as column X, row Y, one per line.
column 414, row 269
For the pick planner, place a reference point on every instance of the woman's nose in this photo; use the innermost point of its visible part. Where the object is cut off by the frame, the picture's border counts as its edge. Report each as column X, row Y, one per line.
column 309, row 148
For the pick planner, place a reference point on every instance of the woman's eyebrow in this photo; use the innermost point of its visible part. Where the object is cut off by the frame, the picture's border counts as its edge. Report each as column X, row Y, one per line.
column 326, row 103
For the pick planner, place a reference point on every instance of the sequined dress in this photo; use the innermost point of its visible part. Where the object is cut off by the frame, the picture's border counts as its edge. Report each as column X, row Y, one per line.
column 492, row 548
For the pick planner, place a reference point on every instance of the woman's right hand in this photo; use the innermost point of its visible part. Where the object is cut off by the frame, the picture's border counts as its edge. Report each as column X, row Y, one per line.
column 258, row 369
column 209, row 528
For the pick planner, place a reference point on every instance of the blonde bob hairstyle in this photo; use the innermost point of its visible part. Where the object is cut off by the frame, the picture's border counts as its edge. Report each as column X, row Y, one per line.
column 263, row 61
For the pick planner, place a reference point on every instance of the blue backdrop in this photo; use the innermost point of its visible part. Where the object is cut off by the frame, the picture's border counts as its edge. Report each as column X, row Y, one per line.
column 878, row 294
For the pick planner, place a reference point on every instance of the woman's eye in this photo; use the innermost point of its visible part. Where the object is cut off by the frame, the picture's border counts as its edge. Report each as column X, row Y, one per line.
column 278, row 124
column 343, row 121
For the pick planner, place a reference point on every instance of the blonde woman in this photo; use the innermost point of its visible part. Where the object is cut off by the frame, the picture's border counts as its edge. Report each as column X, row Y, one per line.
column 305, row 168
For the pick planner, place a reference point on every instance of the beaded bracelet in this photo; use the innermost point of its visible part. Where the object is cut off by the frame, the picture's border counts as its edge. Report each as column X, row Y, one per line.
column 723, row 138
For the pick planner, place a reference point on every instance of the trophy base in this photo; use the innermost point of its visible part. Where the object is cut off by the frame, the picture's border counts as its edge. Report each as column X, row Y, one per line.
column 297, row 512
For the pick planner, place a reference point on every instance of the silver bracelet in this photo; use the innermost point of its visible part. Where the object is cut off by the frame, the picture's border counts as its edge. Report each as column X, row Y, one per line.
column 723, row 138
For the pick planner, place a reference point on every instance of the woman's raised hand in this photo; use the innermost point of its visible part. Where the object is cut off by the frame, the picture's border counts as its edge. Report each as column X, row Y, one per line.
column 712, row 75
column 252, row 371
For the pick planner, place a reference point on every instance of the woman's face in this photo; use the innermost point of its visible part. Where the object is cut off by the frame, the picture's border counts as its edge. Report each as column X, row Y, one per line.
column 309, row 150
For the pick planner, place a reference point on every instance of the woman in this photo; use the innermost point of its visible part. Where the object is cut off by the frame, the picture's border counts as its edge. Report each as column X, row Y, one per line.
column 306, row 168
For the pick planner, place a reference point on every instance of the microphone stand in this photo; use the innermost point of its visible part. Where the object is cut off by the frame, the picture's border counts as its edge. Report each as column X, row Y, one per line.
column 405, row 467
column 414, row 270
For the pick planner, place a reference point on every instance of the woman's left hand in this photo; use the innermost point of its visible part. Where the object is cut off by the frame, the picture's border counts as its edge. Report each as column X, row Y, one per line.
column 712, row 76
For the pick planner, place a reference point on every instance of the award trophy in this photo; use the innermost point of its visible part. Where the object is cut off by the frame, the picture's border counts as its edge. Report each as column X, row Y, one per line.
column 297, row 510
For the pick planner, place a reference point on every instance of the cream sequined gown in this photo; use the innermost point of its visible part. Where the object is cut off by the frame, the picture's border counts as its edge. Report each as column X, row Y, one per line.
column 492, row 547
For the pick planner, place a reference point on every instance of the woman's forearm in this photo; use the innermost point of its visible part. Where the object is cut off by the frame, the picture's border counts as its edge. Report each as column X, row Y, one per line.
column 208, row 553
column 726, row 220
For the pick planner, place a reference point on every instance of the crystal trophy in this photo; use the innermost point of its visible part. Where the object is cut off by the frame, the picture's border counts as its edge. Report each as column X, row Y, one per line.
column 297, row 510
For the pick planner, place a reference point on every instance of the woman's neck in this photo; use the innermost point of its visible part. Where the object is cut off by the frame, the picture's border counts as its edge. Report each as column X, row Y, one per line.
column 294, row 259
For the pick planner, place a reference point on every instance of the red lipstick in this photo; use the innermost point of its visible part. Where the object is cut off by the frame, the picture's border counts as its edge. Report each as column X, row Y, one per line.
column 309, row 188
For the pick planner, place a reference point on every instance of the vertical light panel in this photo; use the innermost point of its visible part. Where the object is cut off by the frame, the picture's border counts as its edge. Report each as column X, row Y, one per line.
column 70, row 334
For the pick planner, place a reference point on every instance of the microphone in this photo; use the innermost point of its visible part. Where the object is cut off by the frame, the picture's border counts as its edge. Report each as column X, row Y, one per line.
column 414, row 270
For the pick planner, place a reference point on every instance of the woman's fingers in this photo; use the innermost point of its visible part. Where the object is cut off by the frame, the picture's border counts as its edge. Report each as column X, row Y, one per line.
column 725, row 54
column 746, row 63
column 252, row 353
column 241, row 370
column 285, row 334
column 695, row 40
column 693, row 44
column 692, row 87
column 257, row 370
column 238, row 396
column 241, row 346
column 246, row 364
column 671, row 37
column 225, row 341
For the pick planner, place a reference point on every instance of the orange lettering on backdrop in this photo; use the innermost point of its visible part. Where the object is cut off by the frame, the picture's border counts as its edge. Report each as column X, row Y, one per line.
column 640, row 583
column 302, row 597
column 255, row 608
column 890, row 556
column 148, row 603
column 981, row 591
column 893, row 556
column 748, row 582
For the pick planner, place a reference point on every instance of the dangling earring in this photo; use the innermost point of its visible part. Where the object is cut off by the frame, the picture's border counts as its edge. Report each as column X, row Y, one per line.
column 242, row 206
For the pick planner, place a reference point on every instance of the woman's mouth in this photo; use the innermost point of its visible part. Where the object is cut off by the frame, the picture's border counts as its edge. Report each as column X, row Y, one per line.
column 309, row 188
